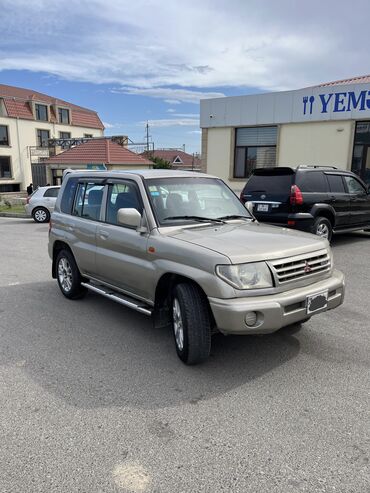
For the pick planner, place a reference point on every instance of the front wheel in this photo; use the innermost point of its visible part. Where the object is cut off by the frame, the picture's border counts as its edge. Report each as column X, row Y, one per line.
column 41, row 215
column 191, row 324
column 322, row 227
column 68, row 276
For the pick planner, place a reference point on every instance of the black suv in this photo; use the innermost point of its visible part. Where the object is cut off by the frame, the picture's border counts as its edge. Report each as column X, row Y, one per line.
column 320, row 200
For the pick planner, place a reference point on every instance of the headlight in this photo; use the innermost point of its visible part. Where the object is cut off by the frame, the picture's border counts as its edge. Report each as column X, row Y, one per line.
column 246, row 276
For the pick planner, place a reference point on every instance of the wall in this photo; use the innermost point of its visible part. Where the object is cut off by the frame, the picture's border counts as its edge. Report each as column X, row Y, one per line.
column 19, row 147
column 220, row 155
column 323, row 143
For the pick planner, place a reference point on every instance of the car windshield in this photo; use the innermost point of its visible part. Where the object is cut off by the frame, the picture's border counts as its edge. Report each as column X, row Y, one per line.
column 183, row 200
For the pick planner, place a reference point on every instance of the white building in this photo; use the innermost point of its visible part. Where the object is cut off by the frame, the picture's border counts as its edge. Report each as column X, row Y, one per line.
column 326, row 125
column 28, row 119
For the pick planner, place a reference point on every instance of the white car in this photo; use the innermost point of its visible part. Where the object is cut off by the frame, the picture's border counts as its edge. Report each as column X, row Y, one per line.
column 41, row 203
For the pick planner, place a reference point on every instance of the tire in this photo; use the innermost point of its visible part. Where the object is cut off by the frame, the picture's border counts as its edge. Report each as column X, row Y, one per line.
column 41, row 215
column 68, row 276
column 322, row 227
column 191, row 324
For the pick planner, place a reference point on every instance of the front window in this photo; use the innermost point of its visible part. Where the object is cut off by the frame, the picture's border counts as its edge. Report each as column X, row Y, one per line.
column 43, row 137
column 41, row 112
column 63, row 115
column 5, row 168
column 255, row 147
column 185, row 200
column 4, row 137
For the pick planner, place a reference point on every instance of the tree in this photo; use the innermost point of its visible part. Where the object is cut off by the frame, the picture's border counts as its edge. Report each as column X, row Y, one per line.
column 159, row 163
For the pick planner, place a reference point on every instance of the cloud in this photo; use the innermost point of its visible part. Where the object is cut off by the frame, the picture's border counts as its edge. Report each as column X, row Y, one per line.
column 196, row 132
column 109, row 125
column 170, row 94
column 232, row 43
column 171, row 110
column 173, row 122
column 172, row 101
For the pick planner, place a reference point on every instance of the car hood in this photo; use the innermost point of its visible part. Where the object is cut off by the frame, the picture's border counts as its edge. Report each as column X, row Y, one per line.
column 250, row 242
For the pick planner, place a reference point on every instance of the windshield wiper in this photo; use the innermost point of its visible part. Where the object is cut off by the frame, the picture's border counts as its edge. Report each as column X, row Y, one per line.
column 200, row 219
column 236, row 216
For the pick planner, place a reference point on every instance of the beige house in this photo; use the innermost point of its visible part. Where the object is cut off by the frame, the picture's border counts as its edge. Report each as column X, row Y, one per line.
column 325, row 125
column 28, row 119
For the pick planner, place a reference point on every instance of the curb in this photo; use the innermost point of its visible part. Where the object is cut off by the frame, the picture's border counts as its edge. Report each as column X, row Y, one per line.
column 14, row 214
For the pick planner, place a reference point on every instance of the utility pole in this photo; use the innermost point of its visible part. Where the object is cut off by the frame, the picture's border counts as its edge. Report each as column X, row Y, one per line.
column 147, row 136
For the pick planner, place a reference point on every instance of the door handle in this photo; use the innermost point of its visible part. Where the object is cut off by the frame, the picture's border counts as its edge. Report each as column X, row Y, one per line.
column 70, row 228
column 103, row 235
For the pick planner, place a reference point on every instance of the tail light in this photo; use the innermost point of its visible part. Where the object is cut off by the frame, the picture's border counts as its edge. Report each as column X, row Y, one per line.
column 296, row 197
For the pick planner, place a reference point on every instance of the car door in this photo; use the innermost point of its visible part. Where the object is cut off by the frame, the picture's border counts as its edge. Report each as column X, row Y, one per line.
column 339, row 199
column 50, row 197
column 122, row 258
column 80, row 227
column 360, row 201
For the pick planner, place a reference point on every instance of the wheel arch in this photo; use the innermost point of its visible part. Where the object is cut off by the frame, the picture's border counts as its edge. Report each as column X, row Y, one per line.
column 58, row 246
column 324, row 210
column 162, row 303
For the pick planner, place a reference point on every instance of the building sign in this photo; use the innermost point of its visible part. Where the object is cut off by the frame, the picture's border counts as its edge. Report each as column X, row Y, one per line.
column 96, row 166
column 336, row 102
column 320, row 103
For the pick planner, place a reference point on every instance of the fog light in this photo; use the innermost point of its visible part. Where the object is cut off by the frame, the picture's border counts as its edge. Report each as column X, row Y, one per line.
column 250, row 319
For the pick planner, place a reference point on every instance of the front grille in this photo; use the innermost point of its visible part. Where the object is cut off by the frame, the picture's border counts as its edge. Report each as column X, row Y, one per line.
column 300, row 267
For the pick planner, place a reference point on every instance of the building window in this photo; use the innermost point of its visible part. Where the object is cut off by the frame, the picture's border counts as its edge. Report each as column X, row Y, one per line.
column 4, row 136
column 88, row 136
column 64, row 135
column 255, row 147
column 361, row 151
column 41, row 112
column 63, row 115
column 43, row 137
column 5, row 168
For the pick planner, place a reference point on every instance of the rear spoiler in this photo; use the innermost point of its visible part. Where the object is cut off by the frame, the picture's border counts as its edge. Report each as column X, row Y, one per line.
column 276, row 170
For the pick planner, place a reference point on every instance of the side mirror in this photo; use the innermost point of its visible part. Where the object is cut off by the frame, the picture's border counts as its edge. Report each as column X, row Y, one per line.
column 129, row 217
column 249, row 206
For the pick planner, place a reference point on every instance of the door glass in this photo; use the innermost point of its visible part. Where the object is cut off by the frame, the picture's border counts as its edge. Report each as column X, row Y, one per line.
column 354, row 187
column 88, row 201
column 122, row 196
column 336, row 183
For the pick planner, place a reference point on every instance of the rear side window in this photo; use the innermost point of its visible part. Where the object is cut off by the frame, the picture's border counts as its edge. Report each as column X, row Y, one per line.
column 336, row 183
column 312, row 181
column 51, row 192
column 270, row 183
column 88, row 201
column 68, row 196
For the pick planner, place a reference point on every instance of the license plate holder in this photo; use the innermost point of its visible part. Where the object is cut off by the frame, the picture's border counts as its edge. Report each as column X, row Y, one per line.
column 317, row 302
column 263, row 208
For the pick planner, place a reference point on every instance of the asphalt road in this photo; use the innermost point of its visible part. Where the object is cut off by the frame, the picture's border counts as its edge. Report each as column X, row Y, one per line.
column 92, row 399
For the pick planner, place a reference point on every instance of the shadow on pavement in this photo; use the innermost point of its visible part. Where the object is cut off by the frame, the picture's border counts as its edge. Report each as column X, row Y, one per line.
column 95, row 353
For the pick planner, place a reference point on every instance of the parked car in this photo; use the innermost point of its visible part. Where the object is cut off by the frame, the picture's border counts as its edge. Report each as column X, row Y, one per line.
column 181, row 247
column 41, row 203
column 320, row 200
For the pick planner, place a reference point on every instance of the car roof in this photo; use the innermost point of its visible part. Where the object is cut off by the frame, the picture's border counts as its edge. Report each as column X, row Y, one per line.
column 144, row 173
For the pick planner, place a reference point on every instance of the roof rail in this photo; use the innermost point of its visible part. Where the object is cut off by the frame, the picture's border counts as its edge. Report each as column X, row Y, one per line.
column 315, row 166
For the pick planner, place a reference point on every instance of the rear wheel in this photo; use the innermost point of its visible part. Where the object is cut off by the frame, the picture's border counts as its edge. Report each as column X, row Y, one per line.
column 191, row 324
column 68, row 276
column 322, row 227
column 41, row 215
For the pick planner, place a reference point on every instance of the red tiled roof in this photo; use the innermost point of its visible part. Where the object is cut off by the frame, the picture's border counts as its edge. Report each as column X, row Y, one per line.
column 99, row 151
column 17, row 105
column 362, row 79
column 171, row 155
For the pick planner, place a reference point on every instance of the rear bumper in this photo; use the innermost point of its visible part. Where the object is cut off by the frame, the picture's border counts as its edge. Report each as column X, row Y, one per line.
column 28, row 209
column 274, row 311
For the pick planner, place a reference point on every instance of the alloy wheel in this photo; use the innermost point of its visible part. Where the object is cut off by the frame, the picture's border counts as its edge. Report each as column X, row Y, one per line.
column 178, row 326
column 65, row 274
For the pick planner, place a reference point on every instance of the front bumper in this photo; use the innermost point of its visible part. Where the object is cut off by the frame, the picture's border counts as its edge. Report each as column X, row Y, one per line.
column 274, row 311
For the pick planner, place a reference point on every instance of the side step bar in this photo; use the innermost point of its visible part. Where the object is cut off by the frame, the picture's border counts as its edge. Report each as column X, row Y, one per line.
column 118, row 297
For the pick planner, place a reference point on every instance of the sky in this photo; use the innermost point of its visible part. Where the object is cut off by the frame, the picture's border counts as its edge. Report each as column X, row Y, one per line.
column 153, row 60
